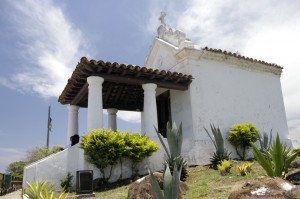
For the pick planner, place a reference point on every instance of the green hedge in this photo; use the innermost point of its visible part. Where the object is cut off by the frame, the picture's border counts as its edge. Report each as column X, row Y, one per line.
column 107, row 148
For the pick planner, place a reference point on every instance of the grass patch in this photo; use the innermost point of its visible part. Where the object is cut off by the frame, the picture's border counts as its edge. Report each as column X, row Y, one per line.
column 203, row 182
column 208, row 183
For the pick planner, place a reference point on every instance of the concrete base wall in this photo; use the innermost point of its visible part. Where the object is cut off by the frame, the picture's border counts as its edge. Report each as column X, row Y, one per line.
column 54, row 168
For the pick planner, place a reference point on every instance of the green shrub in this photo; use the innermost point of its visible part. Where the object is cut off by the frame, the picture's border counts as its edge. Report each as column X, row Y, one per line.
column 137, row 147
column 245, row 168
column 241, row 136
column 42, row 190
column 107, row 148
column 242, row 169
column 66, row 182
column 224, row 167
column 277, row 160
column 248, row 166
column 218, row 141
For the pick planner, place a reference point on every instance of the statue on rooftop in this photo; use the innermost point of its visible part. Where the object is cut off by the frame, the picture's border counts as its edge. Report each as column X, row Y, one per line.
column 162, row 18
column 166, row 33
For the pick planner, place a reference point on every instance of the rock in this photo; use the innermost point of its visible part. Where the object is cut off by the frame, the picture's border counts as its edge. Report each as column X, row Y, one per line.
column 295, row 163
column 267, row 188
column 141, row 188
column 294, row 177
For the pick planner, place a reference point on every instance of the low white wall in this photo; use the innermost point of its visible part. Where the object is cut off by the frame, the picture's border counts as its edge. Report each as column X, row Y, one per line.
column 54, row 168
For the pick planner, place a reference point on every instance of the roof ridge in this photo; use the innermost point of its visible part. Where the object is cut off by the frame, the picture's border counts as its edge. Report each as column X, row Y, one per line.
column 241, row 56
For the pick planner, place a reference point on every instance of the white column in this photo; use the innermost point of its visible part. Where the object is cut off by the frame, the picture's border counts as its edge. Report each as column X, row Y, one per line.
column 142, row 123
column 150, row 110
column 95, row 105
column 72, row 121
column 112, row 118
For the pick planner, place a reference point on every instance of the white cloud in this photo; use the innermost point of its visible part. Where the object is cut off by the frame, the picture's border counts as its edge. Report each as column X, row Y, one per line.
column 51, row 47
column 130, row 116
column 294, row 127
column 217, row 24
column 6, row 83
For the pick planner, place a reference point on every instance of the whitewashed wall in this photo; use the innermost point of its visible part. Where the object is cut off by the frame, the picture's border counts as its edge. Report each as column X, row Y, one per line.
column 54, row 168
column 224, row 95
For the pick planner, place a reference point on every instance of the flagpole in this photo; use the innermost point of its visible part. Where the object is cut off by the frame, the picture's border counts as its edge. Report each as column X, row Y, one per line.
column 48, row 127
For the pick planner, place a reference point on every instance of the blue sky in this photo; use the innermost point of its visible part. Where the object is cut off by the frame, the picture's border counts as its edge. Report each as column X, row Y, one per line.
column 42, row 41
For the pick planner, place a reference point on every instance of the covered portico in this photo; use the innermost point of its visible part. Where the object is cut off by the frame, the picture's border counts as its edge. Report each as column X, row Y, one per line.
column 98, row 85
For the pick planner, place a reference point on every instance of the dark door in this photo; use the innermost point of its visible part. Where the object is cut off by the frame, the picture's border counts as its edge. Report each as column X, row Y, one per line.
column 163, row 112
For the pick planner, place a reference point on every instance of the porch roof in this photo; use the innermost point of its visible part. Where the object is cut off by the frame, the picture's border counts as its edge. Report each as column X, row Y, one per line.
column 122, row 86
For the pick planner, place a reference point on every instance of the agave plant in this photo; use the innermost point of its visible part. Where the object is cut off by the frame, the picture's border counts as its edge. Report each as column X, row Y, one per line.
column 217, row 139
column 265, row 141
column 170, row 184
column 42, row 190
column 276, row 160
column 174, row 138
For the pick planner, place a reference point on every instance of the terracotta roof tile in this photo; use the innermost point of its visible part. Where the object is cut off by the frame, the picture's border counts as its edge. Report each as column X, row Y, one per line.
column 241, row 57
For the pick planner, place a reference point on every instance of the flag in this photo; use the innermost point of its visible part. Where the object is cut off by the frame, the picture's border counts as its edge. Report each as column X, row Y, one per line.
column 50, row 124
column 49, row 119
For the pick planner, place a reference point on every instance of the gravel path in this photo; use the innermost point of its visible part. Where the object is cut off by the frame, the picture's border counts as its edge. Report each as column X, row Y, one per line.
column 12, row 195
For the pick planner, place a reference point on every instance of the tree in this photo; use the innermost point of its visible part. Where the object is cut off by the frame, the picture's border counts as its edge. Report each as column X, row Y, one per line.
column 241, row 136
column 32, row 155
column 16, row 168
column 38, row 153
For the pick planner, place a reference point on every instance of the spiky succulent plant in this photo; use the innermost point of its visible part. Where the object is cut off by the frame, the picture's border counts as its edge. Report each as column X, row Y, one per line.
column 218, row 141
column 170, row 183
column 174, row 138
column 265, row 141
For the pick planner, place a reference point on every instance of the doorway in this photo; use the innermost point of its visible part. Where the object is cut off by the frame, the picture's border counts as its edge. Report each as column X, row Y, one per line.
column 163, row 112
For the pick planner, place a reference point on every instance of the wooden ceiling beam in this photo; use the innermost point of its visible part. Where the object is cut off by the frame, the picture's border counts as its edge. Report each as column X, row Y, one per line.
column 108, row 91
column 140, row 81
column 123, row 72
column 109, row 70
column 121, row 88
column 80, row 95
column 137, row 74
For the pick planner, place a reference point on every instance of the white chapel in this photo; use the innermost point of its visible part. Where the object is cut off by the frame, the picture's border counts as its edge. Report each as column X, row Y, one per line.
column 180, row 82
